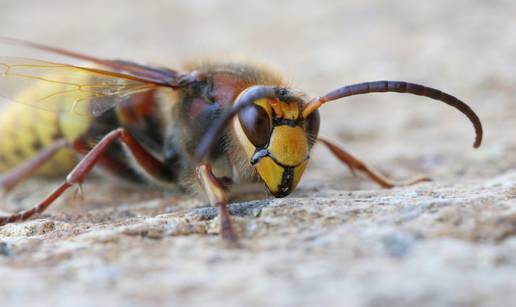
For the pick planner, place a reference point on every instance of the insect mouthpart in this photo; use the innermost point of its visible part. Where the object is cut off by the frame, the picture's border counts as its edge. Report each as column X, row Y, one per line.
column 279, row 178
column 258, row 155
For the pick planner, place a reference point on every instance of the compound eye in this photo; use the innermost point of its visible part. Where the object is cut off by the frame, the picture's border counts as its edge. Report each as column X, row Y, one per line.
column 256, row 124
column 312, row 126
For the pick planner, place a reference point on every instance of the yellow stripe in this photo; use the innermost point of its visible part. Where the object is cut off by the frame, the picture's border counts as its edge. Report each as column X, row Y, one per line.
column 25, row 130
column 21, row 129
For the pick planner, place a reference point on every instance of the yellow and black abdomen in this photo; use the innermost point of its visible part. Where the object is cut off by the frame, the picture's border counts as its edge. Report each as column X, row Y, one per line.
column 25, row 131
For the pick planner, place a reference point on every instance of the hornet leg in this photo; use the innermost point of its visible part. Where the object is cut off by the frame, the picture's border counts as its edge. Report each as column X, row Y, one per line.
column 153, row 166
column 355, row 164
column 30, row 167
column 217, row 195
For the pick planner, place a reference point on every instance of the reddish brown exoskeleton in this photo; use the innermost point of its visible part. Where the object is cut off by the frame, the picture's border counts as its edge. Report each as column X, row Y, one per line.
column 216, row 126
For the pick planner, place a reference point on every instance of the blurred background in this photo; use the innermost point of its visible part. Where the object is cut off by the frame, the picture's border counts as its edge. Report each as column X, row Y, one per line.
column 464, row 47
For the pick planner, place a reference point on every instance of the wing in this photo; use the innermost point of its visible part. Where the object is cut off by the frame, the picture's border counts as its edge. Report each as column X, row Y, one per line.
column 60, row 87
column 160, row 76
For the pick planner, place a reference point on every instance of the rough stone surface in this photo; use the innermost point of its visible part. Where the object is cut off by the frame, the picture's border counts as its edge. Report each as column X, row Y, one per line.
column 337, row 241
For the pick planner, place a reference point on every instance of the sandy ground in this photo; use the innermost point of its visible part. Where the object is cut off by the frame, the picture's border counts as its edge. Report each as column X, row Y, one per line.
column 339, row 240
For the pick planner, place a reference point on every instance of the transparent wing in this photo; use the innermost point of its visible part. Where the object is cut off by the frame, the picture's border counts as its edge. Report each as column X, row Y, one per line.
column 159, row 76
column 65, row 88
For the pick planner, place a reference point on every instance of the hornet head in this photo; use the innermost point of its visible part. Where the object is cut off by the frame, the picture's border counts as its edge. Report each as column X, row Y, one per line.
column 277, row 138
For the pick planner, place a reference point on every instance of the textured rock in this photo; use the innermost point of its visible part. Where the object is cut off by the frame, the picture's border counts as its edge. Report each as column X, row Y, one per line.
column 337, row 241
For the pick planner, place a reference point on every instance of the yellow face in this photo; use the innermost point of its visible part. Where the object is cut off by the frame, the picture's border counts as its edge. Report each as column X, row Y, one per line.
column 277, row 141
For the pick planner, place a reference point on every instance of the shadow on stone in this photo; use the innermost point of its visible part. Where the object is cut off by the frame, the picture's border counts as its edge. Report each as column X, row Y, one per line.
column 247, row 209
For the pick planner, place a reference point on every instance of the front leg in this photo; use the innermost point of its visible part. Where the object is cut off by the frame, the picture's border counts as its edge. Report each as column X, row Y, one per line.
column 217, row 196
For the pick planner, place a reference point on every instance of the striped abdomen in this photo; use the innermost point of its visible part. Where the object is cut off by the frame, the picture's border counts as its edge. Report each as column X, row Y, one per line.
column 25, row 131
